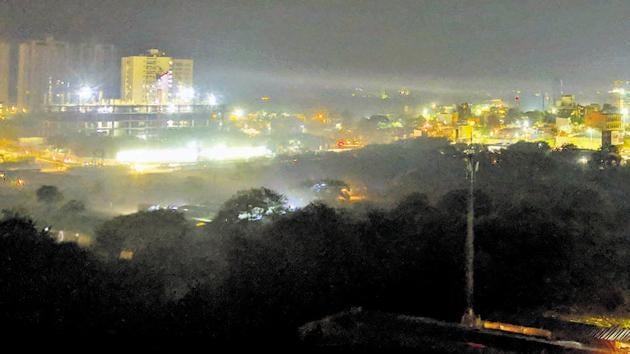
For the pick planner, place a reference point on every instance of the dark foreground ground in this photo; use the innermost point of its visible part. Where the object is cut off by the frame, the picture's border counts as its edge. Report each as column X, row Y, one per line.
column 359, row 331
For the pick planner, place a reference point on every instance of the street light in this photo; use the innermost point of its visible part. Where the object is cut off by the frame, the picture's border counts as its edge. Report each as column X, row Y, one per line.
column 85, row 94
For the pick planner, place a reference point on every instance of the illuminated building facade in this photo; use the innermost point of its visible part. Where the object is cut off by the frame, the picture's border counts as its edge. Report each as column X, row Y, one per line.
column 143, row 121
column 156, row 79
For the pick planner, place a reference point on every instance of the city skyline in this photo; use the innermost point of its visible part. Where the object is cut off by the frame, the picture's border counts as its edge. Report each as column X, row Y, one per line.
column 444, row 48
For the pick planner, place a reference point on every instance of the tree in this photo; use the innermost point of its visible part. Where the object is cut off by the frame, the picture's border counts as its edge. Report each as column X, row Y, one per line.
column 49, row 194
column 258, row 204
column 142, row 233
column 49, row 287
column 150, row 244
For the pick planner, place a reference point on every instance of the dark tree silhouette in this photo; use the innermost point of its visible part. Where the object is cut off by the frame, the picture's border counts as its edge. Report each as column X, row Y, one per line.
column 49, row 194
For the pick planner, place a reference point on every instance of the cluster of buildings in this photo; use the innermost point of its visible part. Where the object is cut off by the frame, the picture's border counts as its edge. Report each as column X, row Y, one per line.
column 89, row 87
column 39, row 73
column 49, row 74
column 564, row 122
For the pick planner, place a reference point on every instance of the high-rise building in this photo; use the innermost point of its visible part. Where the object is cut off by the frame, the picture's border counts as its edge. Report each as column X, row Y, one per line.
column 51, row 72
column 5, row 77
column 97, row 67
column 155, row 78
column 43, row 73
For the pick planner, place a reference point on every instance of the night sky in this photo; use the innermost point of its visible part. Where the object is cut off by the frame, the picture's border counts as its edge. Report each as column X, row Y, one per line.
column 435, row 46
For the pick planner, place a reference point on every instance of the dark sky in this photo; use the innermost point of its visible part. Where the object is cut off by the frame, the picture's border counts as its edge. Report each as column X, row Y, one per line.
column 441, row 46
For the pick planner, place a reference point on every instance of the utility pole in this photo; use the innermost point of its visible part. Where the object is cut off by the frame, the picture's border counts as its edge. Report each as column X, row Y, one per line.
column 469, row 318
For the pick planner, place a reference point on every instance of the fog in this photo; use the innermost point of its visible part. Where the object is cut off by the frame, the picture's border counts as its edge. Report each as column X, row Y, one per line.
column 315, row 176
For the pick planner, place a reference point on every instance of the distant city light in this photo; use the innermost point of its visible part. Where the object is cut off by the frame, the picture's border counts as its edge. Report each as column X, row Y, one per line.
column 620, row 91
column 105, row 109
column 238, row 112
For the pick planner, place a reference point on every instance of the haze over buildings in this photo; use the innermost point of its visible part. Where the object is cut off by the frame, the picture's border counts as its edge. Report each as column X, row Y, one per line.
column 51, row 71
column 443, row 48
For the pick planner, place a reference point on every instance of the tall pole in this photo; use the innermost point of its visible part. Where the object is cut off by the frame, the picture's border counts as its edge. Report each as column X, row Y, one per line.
column 469, row 317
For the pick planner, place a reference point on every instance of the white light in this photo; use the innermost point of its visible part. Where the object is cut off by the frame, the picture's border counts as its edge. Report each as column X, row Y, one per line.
column 186, row 93
column 212, row 100
column 85, row 93
column 624, row 111
column 157, row 156
column 238, row 112
column 190, row 154
column 222, row 152
column 105, row 109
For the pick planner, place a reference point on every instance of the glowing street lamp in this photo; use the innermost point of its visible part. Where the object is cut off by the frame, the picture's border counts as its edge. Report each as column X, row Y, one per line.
column 212, row 100
column 85, row 93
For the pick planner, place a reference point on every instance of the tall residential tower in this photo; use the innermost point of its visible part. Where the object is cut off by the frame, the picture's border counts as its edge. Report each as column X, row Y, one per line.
column 51, row 72
column 156, row 79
